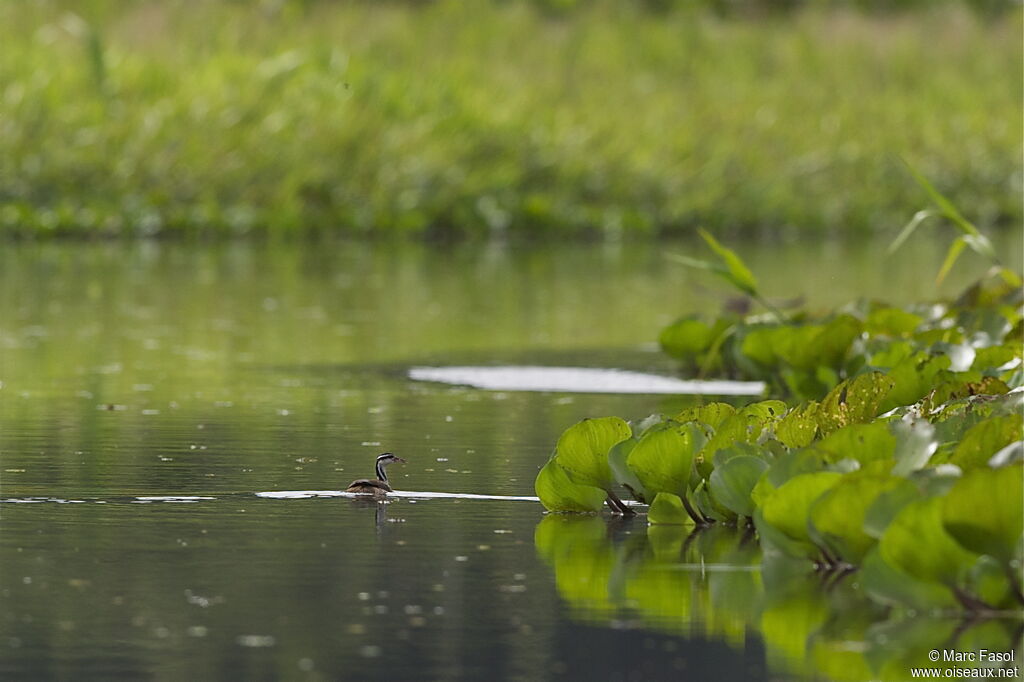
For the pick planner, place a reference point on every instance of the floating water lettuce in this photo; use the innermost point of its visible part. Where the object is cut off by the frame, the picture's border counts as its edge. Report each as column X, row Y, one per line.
column 712, row 414
column 709, row 507
column 887, row 504
column 860, row 442
column 837, row 516
column 582, row 450
column 733, row 482
column 984, row 512
column 668, row 509
column 787, row 509
column 892, row 322
column 916, row 542
column 744, row 425
column 854, row 401
column 617, row 460
column 686, row 338
column 799, row 426
column 986, row 438
column 558, row 492
column 663, row 457
column 583, row 454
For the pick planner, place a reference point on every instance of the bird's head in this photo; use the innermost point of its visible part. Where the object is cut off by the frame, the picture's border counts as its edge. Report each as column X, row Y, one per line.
column 388, row 458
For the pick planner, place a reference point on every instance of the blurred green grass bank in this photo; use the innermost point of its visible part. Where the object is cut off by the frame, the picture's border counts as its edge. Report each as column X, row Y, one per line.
column 465, row 118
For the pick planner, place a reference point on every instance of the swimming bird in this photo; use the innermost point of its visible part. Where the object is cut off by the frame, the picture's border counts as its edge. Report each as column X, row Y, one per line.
column 378, row 487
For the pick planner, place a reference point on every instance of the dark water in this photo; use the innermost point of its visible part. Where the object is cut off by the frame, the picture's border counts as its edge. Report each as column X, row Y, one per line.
column 218, row 372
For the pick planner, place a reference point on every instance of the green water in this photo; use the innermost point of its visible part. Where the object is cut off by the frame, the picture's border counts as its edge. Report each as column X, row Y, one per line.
column 226, row 370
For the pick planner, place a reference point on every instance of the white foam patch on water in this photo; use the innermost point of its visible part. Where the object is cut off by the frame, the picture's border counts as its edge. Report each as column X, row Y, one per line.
column 133, row 500
column 37, row 500
column 462, row 496
column 304, row 494
column 279, row 495
column 396, row 494
column 579, row 380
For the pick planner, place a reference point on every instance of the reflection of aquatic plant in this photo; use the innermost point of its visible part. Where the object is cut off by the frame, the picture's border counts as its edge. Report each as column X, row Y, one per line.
column 711, row 580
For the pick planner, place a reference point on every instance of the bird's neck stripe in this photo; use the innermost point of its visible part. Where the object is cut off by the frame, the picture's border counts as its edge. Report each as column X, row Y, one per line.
column 381, row 476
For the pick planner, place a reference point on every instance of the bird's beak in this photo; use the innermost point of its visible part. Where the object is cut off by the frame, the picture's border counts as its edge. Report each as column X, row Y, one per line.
column 399, row 459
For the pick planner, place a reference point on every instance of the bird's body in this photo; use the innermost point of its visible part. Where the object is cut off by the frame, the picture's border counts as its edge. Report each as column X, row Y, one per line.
column 378, row 487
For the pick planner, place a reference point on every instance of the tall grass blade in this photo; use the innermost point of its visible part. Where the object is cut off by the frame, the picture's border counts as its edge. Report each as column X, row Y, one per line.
column 909, row 228
column 980, row 242
column 954, row 252
column 696, row 263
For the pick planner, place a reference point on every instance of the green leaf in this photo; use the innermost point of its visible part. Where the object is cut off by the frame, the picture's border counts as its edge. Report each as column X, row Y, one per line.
column 807, row 347
column 686, row 338
column 861, row 442
column 993, row 357
column 984, row 511
column 837, row 518
column 712, row 414
column 884, row 508
column 831, row 343
column 799, row 426
column 558, row 493
column 709, row 506
column 892, row 322
column 736, row 272
column 663, row 459
column 624, row 476
column 793, row 464
column 744, row 426
column 952, row 254
column 984, row 439
column 733, row 481
column 788, row 507
column 912, row 378
column 853, row 401
column 668, row 509
column 582, row 450
column 916, row 542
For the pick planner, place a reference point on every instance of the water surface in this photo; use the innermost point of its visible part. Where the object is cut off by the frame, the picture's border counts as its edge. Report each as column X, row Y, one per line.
column 148, row 392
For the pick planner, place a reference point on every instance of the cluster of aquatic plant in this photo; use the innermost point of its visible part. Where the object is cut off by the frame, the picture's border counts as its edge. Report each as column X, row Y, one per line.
column 805, row 355
column 900, row 453
column 925, row 500
column 496, row 117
